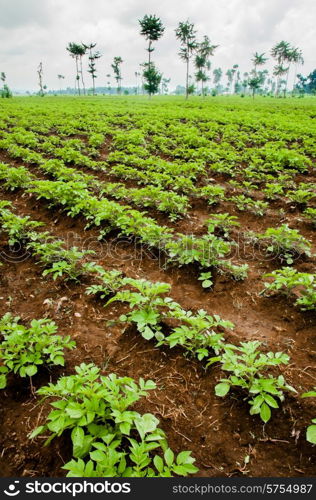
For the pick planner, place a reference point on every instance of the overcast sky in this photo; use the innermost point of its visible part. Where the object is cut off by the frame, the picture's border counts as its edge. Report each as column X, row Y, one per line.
column 39, row 30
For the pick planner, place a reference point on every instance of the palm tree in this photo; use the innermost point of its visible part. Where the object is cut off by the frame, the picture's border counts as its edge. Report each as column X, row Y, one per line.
column 281, row 52
column 77, row 51
column 164, row 85
column 279, row 71
column 235, row 72
column 258, row 60
column 254, row 83
column 152, row 29
column 230, row 77
column 297, row 59
column 202, row 63
column 185, row 32
column 93, row 56
column 217, row 75
column 116, row 66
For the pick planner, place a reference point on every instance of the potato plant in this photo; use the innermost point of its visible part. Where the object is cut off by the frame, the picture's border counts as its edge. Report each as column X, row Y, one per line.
column 109, row 438
column 23, row 349
column 248, row 367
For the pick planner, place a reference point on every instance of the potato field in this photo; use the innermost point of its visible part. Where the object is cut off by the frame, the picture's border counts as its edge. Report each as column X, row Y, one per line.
column 157, row 286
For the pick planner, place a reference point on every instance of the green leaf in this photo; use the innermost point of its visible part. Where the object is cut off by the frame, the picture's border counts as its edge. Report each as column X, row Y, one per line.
column 311, row 434
column 222, row 389
column 265, row 412
column 158, row 462
column 310, row 394
column 36, row 432
column 3, row 381
column 74, row 413
column 169, row 457
column 207, row 283
column 147, row 333
column 184, row 470
column 77, row 436
column 31, row 370
column 59, row 360
column 98, row 456
column 271, row 401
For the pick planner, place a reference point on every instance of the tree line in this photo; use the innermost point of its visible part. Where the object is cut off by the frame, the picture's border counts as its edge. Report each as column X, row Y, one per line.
column 195, row 54
column 199, row 53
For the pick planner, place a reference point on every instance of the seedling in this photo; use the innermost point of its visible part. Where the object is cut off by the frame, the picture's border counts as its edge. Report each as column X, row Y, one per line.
column 248, row 366
column 285, row 243
column 108, row 438
column 23, row 349
column 287, row 281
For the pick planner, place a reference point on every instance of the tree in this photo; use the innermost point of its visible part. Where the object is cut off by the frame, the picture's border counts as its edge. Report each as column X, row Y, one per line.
column 116, row 66
column 77, row 51
column 202, row 63
column 255, row 82
column 279, row 71
column 230, row 77
column 164, row 85
column 297, row 58
column 217, row 76
column 307, row 83
column 282, row 53
column 40, row 79
column 152, row 29
column 60, row 77
column 185, row 32
column 234, row 72
column 93, row 56
column 152, row 78
column 5, row 92
column 258, row 60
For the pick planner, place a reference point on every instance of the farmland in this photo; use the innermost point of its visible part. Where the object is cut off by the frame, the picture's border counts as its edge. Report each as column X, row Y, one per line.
column 159, row 254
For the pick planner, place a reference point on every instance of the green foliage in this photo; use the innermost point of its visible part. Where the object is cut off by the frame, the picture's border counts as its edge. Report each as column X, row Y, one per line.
column 238, row 273
column 300, row 196
column 69, row 264
column 18, row 228
column 310, row 213
column 273, row 191
column 14, row 178
column 23, row 350
column 206, row 279
column 111, row 281
column 222, row 223
column 248, row 367
column 199, row 334
column 207, row 250
column 290, row 282
column 214, row 194
column 285, row 243
column 311, row 429
column 244, row 203
column 152, row 78
column 108, row 438
column 146, row 304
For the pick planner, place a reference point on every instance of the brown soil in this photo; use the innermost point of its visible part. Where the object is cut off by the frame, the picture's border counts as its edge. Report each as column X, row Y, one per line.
column 220, row 432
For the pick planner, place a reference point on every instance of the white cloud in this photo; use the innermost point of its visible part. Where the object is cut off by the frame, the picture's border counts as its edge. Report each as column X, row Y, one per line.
column 39, row 30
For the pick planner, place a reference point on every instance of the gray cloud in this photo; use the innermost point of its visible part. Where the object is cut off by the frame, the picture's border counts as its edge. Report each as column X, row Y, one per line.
column 39, row 30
